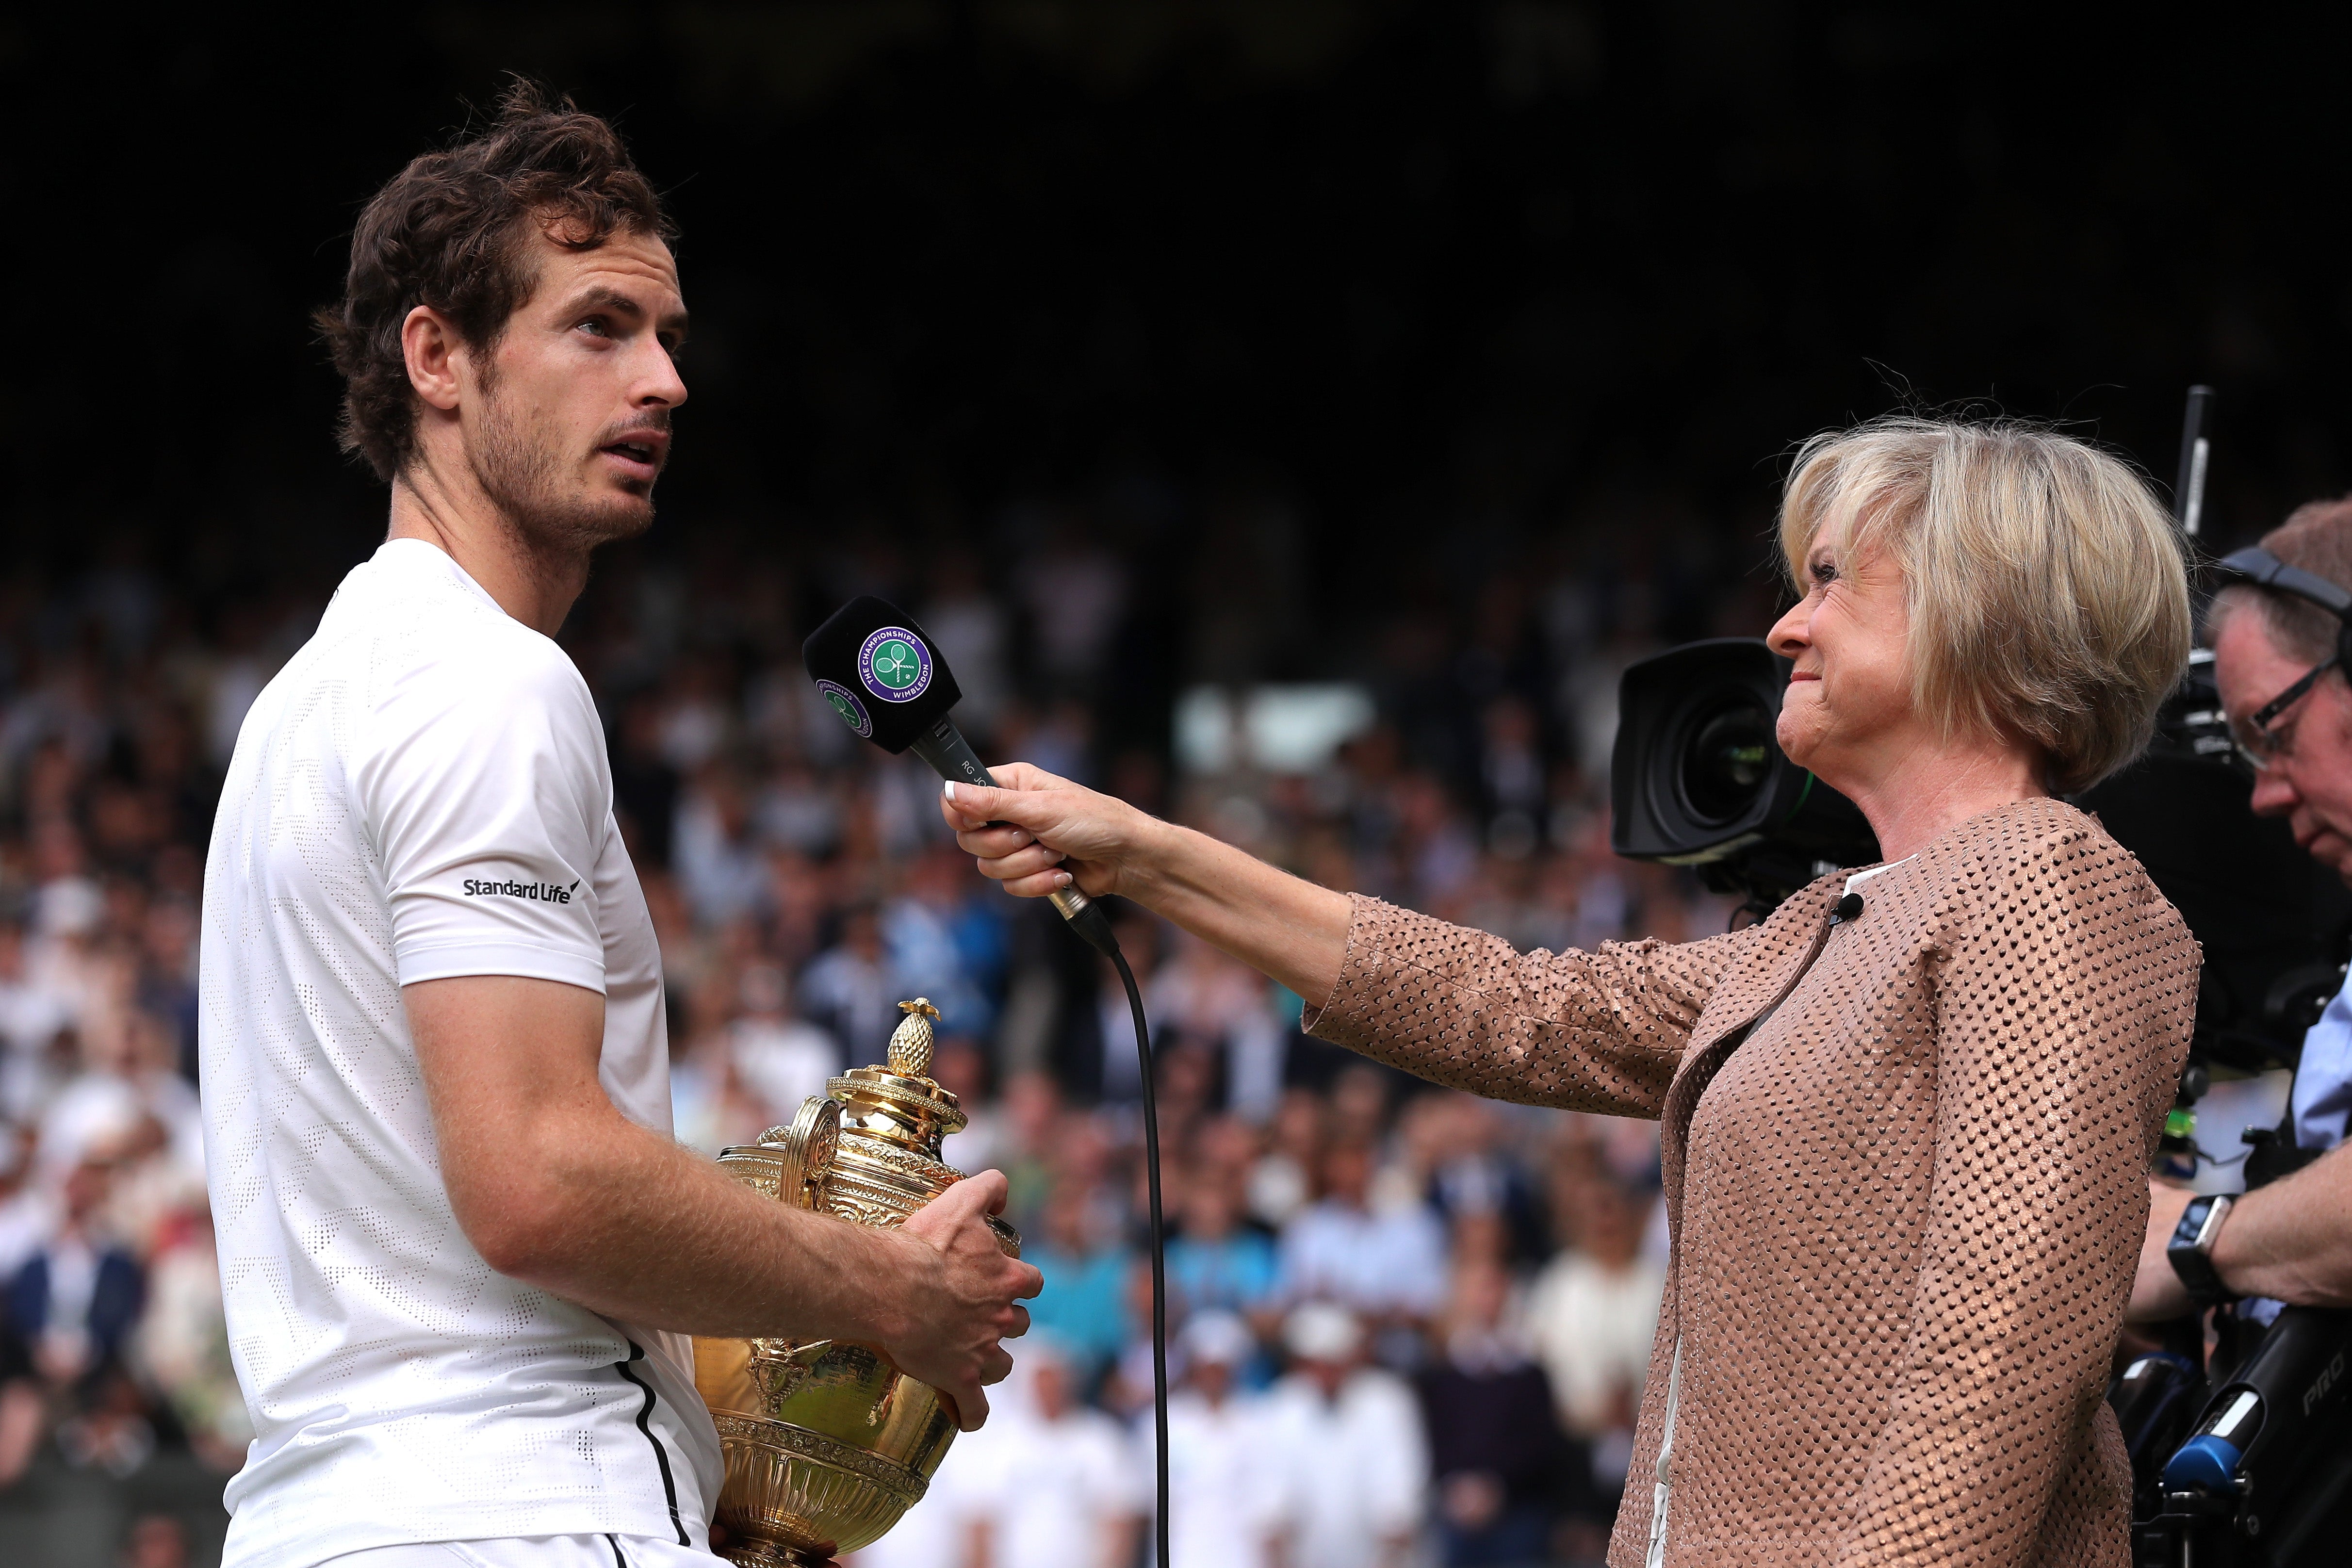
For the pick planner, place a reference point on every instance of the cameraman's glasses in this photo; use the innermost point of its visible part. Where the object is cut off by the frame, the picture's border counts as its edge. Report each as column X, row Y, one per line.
column 2261, row 742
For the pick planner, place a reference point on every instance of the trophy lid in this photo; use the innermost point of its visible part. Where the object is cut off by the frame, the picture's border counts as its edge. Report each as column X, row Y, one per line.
column 902, row 1093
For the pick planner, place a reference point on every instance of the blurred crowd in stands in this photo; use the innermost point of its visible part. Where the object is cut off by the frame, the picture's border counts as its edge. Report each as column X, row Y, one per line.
column 1408, row 1325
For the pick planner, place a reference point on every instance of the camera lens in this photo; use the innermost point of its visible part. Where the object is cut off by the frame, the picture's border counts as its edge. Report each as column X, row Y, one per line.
column 1728, row 757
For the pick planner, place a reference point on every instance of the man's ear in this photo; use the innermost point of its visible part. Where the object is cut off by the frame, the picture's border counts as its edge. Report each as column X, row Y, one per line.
column 430, row 344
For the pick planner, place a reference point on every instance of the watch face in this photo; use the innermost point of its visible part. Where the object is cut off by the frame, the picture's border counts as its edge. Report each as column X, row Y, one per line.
column 2190, row 1254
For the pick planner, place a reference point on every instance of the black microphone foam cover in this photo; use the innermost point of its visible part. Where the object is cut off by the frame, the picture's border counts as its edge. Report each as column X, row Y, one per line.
column 880, row 671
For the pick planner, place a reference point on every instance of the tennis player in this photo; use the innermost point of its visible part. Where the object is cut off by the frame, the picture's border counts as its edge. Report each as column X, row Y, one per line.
column 461, row 1251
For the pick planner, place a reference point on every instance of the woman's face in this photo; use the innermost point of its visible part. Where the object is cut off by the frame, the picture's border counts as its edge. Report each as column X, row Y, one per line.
column 1848, row 704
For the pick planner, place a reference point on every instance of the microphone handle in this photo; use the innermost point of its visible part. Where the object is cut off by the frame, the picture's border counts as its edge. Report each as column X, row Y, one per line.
column 943, row 747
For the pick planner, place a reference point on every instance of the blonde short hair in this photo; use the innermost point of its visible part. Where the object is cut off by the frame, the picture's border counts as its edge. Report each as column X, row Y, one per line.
column 2048, row 594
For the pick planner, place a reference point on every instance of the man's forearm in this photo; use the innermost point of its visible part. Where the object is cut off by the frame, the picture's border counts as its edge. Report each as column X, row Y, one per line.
column 2293, row 1239
column 631, row 1224
column 553, row 1185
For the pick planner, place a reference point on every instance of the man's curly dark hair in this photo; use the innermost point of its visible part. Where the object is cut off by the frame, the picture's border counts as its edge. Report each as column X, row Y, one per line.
column 451, row 231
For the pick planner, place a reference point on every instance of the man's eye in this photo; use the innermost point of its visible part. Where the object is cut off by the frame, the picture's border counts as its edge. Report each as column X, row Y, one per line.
column 593, row 325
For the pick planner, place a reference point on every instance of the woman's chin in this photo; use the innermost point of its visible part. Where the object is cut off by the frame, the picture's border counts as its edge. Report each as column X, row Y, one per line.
column 1796, row 741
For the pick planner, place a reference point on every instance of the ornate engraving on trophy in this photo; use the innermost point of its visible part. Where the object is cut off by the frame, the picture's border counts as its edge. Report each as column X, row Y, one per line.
column 826, row 1443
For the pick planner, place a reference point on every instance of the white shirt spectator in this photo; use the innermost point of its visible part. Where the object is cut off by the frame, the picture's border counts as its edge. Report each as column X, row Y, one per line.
column 783, row 1061
column 29, row 1216
column 1224, row 1485
column 31, row 1018
column 1076, row 595
column 91, row 1110
column 936, row 1531
column 1353, row 1470
column 1376, row 1263
column 1051, row 1492
column 1593, row 1328
column 970, row 627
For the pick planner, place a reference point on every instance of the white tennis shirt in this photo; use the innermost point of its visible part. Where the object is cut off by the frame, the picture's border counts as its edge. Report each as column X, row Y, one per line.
column 422, row 793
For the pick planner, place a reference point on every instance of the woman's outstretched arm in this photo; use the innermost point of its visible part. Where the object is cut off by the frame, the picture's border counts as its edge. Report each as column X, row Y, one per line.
column 1056, row 832
column 1599, row 1031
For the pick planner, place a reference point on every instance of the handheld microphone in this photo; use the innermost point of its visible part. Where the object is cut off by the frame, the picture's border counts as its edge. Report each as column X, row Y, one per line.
column 885, row 677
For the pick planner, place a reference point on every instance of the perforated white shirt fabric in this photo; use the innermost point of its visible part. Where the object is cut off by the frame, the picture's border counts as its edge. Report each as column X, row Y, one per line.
column 422, row 793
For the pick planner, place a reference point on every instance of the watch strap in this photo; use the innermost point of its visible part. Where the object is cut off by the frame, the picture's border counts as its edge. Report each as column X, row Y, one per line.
column 2191, row 1251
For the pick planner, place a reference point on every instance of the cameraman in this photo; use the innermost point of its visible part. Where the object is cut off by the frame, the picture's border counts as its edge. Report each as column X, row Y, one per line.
column 2277, row 659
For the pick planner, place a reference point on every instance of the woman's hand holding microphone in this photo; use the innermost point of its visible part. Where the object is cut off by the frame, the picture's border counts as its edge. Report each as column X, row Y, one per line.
column 1039, row 834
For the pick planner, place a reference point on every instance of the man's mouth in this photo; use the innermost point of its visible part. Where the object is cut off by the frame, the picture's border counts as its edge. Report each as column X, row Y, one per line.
column 640, row 453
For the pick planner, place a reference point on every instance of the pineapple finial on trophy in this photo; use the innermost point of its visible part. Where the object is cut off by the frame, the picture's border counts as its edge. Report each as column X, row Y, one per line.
column 910, row 1043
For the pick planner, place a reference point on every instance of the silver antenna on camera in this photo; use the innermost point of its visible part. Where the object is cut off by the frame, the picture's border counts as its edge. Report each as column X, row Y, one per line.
column 2189, row 494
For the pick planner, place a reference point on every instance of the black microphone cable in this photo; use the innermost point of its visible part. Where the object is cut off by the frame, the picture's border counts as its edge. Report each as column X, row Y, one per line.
column 1090, row 924
column 1159, row 1250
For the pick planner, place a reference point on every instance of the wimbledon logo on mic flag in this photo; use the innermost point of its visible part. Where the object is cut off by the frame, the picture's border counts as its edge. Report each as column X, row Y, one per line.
column 894, row 665
column 845, row 702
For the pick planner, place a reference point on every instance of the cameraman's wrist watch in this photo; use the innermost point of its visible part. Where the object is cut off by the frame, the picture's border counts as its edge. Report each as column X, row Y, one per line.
column 2191, row 1251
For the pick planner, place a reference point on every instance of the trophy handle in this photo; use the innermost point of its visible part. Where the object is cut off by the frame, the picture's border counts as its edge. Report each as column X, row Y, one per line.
column 805, row 1153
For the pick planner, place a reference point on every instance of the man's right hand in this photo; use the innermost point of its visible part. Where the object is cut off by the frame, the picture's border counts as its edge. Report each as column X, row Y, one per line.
column 969, row 1300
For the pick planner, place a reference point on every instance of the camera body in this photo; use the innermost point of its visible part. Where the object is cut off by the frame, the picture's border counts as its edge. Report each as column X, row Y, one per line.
column 2264, row 1480
column 1698, row 779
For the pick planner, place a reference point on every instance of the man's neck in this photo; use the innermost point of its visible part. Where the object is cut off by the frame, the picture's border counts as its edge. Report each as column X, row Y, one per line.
column 534, row 585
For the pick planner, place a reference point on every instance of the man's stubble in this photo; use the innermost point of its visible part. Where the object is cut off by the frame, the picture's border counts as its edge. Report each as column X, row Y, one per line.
column 522, row 471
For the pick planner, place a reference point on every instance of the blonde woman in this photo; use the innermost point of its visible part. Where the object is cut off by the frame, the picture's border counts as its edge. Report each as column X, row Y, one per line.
column 1907, row 1120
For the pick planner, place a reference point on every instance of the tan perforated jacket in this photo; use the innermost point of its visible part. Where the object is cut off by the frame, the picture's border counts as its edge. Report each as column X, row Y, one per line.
column 1906, row 1205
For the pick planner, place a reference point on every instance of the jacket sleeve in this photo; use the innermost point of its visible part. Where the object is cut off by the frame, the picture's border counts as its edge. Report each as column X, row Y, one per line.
column 1598, row 1031
column 2065, row 988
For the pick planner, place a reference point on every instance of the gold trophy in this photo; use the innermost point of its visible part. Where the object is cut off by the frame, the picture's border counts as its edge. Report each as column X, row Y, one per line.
column 826, row 1443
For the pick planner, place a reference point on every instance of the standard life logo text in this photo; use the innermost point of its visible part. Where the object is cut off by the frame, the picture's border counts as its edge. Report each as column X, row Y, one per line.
column 545, row 892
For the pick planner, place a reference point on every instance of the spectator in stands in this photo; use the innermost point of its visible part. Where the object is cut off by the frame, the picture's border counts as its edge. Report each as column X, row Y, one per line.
column 1346, row 1443
column 1497, row 1456
column 846, row 991
column 1050, row 1483
column 32, row 1017
column 1083, row 1305
column 1224, row 1498
column 70, row 1311
column 183, row 1349
column 717, row 857
column 1593, row 1313
column 782, row 1059
column 1214, row 1263
column 1387, row 1267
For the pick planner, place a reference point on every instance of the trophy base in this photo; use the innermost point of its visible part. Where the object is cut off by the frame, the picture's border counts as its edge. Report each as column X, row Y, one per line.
column 770, row 1554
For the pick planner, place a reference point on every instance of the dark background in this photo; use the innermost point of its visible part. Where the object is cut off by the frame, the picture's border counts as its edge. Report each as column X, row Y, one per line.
column 1454, row 277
